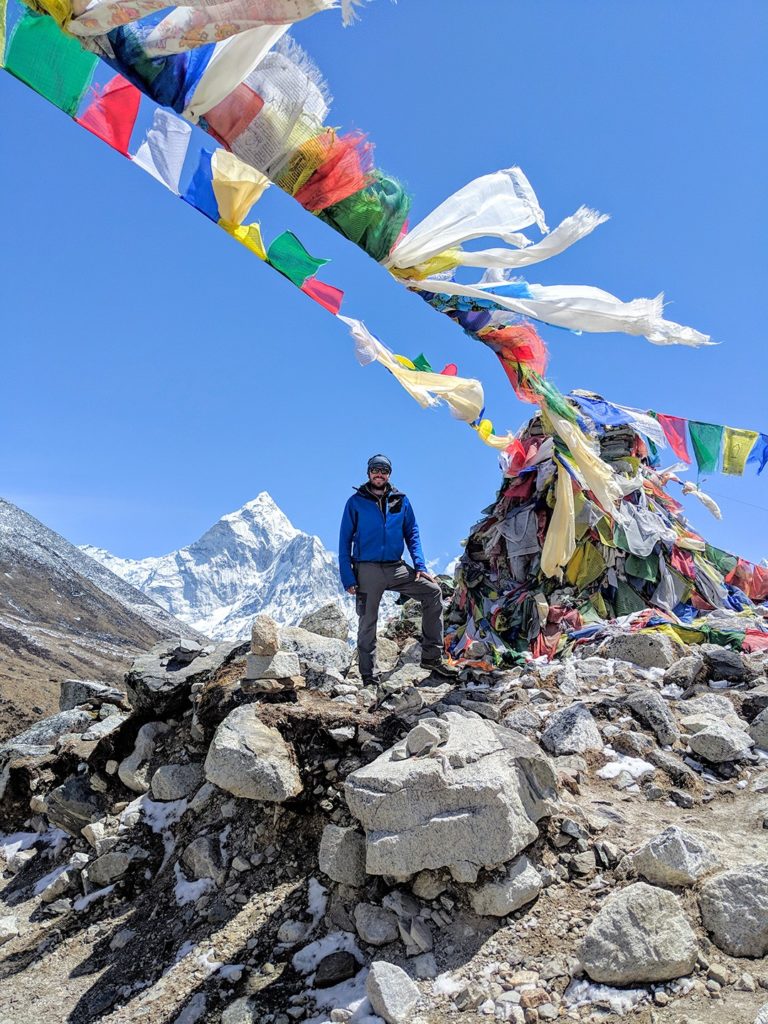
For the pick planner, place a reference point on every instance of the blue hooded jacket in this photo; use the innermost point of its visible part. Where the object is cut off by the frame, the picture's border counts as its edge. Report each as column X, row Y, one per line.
column 376, row 530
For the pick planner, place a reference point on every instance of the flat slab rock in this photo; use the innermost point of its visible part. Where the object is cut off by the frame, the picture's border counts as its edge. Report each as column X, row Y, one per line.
column 473, row 802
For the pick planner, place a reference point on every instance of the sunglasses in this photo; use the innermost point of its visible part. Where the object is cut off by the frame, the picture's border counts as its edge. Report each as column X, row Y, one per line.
column 379, row 471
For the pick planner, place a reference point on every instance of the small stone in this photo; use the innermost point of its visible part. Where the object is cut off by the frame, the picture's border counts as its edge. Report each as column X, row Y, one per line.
column 686, row 672
column 275, row 666
column 265, row 636
column 342, row 855
column 571, row 731
column 392, row 994
column 758, row 730
column 497, row 899
column 424, row 966
column 122, row 938
column 291, row 932
column 112, row 866
column 336, row 967
column 375, row 925
column 425, row 737
column 9, row 928
column 673, row 857
column 428, row 885
column 650, row 709
column 203, row 860
column 175, row 781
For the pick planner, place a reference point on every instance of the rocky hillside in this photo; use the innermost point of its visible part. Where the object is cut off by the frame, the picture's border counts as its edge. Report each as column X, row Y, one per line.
column 250, row 835
column 251, row 561
column 63, row 614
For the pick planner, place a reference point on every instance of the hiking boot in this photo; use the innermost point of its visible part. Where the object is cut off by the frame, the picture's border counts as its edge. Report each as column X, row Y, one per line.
column 438, row 667
column 371, row 680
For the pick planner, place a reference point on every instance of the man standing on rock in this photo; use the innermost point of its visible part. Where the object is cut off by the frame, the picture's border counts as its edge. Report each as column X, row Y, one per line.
column 378, row 522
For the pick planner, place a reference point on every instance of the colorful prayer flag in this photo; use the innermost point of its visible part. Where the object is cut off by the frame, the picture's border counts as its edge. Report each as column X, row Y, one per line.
column 737, row 444
column 200, row 192
column 674, row 431
column 163, row 151
column 287, row 255
column 51, row 63
column 759, row 454
column 112, row 114
column 706, row 439
column 326, row 295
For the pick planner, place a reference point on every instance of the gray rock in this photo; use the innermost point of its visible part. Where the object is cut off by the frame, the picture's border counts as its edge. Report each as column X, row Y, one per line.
column 265, row 636
column 104, row 727
column 336, row 967
column 314, row 649
column 47, row 731
column 718, row 742
column 758, row 730
column 424, row 966
column 649, row 708
column 342, row 855
column 497, row 899
column 74, row 804
column 639, row 935
column 282, row 665
column 425, row 736
column 755, row 702
column 522, row 720
column 474, row 803
column 194, row 1011
column 240, row 1011
column 428, row 885
column 392, row 994
column 157, row 684
column 78, row 691
column 762, row 1015
column 375, row 925
column 648, row 650
column 571, row 731
column 734, row 910
column 686, row 672
column 723, row 663
column 252, row 760
column 9, row 928
column 112, row 866
column 100, row 836
column 59, row 885
column 133, row 770
column 176, row 781
column 329, row 621
column 407, row 675
column 673, row 857
column 203, row 859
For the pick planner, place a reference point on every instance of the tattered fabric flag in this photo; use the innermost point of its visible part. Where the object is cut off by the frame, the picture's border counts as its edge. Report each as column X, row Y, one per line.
column 52, row 64
column 113, row 114
column 674, row 431
column 463, row 395
column 646, row 425
column 287, row 255
column 560, row 541
column 759, row 454
column 575, row 307
column 602, row 412
column 163, row 151
column 200, row 192
column 236, row 187
column 249, row 235
column 325, row 295
column 706, row 439
column 737, row 444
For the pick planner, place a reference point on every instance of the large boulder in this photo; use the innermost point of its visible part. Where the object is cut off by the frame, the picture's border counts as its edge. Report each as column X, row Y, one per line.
column 160, row 682
column 650, row 709
column 718, row 742
column 648, row 650
column 571, row 731
column 252, row 760
column 74, row 692
column 673, row 857
column 640, row 935
column 314, row 650
column 734, row 910
column 329, row 620
column 474, row 803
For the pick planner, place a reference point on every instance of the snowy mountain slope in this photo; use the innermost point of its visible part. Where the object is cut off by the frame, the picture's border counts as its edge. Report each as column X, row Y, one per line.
column 62, row 615
column 251, row 561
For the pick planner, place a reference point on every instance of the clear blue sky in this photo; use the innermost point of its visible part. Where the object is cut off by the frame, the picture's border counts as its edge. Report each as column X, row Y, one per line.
column 156, row 375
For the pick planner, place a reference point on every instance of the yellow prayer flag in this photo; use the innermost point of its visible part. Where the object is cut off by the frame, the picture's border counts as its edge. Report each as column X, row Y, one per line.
column 737, row 444
column 236, row 185
column 248, row 235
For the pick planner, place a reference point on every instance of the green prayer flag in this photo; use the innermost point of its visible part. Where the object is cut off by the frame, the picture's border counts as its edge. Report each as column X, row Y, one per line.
column 287, row 255
column 722, row 560
column 628, row 600
column 421, row 363
column 706, row 439
column 51, row 63
column 643, row 568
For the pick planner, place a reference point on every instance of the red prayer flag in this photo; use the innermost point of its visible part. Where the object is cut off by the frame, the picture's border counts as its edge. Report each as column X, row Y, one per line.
column 326, row 295
column 449, row 370
column 112, row 114
column 675, row 430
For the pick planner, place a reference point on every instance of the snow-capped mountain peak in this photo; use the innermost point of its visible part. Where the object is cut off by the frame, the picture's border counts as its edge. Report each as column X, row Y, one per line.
column 252, row 560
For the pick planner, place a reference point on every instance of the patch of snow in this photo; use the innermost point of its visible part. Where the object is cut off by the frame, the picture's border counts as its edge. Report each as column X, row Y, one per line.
column 184, row 950
column 619, row 1000
column 347, row 995
column 161, row 814
column 189, row 892
column 232, row 972
column 46, row 880
column 86, row 901
column 12, row 844
column 309, row 957
column 317, row 900
column 635, row 767
column 208, row 962
column 446, row 985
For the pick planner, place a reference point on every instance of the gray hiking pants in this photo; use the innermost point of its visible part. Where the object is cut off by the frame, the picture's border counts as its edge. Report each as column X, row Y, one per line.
column 373, row 578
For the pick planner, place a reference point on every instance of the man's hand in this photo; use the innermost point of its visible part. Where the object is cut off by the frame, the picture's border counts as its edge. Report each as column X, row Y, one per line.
column 352, row 590
column 422, row 575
